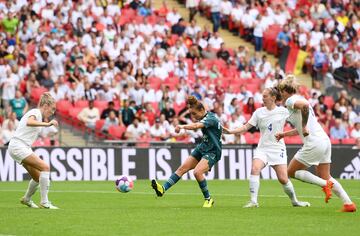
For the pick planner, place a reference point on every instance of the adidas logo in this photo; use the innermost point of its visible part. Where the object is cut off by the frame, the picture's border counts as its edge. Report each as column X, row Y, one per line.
column 352, row 171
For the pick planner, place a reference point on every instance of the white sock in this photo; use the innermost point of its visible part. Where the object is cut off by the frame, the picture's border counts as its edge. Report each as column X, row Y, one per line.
column 290, row 191
column 31, row 189
column 44, row 181
column 308, row 177
column 254, row 183
column 340, row 192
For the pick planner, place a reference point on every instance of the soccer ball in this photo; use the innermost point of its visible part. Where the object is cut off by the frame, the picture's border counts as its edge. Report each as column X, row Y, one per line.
column 124, row 184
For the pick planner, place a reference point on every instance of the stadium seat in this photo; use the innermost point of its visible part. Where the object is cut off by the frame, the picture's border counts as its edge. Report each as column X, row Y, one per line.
column 117, row 131
column 335, row 141
column 348, row 141
column 81, row 103
column 63, row 107
column 178, row 107
column 329, row 101
column 36, row 93
column 98, row 126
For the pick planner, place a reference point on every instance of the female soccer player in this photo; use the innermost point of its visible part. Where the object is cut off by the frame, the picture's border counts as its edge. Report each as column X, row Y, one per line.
column 205, row 155
column 20, row 150
column 316, row 149
column 270, row 119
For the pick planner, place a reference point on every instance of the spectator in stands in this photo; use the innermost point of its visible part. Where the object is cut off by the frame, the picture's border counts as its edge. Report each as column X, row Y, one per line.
column 46, row 80
column 11, row 117
column 355, row 132
column 10, row 23
column 157, row 131
column 223, row 53
column 320, row 60
column 192, row 5
column 135, row 130
column 208, row 53
column 215, row 7
column 89, row 115
column 56, row 93
column 234, row 138
column 244, row 94
column 328, row 121
column 338, row 131
column 8, row 131
column 337, row 111
column 355, row 105
column 110, row 120
column 8, row 85
column 169, row 112
column 89, row 94
column 111, row 107
column 284, row 37
column 179, row 28
column 249, row 107
column 231, row 108
column 126, row 114
column 246, row 73
column 19, row 105
column 259, row 29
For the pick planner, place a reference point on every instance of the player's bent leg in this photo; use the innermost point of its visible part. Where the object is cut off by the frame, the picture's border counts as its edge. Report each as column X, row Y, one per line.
column 44, row 179
column 32, row 187
column 281, row 173
column 323, row 170
column 189, row 164
column 201, row 168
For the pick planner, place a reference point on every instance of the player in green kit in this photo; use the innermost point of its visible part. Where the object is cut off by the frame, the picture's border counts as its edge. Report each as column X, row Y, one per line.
column 205, row 155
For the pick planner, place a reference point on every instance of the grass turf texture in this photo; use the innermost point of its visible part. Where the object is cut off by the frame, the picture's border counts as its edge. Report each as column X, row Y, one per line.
column 96, row 208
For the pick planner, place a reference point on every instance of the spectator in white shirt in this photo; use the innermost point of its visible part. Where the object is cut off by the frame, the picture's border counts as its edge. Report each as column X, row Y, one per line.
column 89, row 115
column 215, row 41
column 149, row 94
column 173, row 16
column 157, row 131
column 135, row 130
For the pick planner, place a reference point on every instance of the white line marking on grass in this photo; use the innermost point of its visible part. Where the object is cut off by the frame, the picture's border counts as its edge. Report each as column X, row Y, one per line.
column 182, row 194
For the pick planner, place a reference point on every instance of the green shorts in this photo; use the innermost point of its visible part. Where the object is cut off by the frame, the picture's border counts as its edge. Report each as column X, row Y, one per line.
column 212, row 157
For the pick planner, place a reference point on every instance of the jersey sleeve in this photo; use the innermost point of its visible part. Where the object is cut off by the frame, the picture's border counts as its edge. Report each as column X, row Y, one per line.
column 254, row 119
column 36, row 113
column 209, row 122
column 290, row 102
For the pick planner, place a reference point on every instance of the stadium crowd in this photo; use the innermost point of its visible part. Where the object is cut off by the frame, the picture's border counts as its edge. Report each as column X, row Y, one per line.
column 125, row 69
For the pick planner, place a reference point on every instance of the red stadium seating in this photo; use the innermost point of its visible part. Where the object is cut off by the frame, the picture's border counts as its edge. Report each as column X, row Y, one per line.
column 117, row 131
column 348, row 141
column 63, row 107
column 36, row 93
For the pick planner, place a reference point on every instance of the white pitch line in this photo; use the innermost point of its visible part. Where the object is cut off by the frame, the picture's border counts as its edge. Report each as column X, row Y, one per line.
column 182, row 194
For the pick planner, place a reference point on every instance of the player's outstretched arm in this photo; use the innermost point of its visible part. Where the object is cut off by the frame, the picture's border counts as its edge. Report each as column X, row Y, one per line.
column 292, row 132
column 193, row 126
column 239, row 130
column 32, row 122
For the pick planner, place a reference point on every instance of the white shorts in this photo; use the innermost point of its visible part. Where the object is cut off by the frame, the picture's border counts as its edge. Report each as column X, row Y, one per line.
column 19, row 151
column 315, row 151
column 272, row 157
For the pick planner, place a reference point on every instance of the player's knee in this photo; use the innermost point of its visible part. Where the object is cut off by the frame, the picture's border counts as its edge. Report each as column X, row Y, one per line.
column 255, row 170
column 198, row 173
column 45, row 167
column 291, row 173
column 283, row 179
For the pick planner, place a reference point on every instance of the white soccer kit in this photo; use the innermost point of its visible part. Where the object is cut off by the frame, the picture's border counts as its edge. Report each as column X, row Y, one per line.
column 317, row 145
column 269, row 150
column 24, row 137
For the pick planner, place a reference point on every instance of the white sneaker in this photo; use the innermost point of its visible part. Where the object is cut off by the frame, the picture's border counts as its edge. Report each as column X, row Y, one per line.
column 29, row 203
column 48, row 205
column 251, row 205
column 301, row 204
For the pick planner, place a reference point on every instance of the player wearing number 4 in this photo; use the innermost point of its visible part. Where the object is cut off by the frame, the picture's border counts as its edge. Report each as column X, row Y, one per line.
column 316, row 149
column 20, row 150
column 204, row 156
column 270, row 119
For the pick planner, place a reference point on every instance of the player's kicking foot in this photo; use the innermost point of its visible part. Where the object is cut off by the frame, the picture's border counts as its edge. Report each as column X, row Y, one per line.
column 48, row 205
column 208, row 203
column 159, row 189
column 251, row 205
column 349, row 207
column 327, row 190
column 29, row 203
column 301, row 204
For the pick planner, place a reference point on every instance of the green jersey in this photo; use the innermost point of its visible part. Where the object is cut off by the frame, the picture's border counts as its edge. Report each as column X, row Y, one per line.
column 212, row 131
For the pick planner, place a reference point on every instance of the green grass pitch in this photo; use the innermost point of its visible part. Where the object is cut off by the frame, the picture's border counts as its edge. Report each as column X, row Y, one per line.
column 96, row 208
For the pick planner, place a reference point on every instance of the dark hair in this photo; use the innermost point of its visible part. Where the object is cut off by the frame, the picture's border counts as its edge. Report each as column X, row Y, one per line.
column 193, row 103
column 274, row 92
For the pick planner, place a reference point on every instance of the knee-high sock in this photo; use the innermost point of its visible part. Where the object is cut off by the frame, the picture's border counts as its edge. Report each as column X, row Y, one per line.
column 340, row 192
column 44, row 182
column 308, row 177
column 254, row 184
column 171, row 181
column 204, row 188
column 290, row 191
column 31, row 189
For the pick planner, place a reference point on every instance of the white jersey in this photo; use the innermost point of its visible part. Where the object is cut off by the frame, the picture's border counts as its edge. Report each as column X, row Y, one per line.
column 27, row 134
column 295, row 118
column 269, row 123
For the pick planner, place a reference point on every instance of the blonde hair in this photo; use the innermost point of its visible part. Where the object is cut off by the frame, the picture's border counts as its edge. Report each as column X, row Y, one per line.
column 193, row 103
column 46, row 99
column 289, row 84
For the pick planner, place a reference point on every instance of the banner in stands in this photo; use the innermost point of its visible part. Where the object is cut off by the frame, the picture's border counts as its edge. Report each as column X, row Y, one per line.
column 75, row 164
